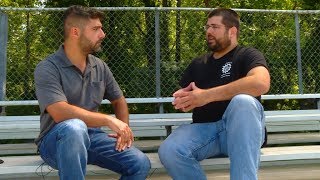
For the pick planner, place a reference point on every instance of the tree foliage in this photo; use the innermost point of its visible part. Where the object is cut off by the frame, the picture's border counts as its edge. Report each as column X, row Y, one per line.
column 131, row 43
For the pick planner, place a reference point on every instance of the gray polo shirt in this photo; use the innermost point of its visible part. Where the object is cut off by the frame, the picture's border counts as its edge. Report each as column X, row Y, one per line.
column 57, row 79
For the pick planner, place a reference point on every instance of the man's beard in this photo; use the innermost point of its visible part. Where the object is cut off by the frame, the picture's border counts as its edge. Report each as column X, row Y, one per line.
column 220, row 44
column 88, row 46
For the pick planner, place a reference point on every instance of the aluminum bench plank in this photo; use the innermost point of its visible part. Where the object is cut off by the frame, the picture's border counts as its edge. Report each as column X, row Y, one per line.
column 29, row 166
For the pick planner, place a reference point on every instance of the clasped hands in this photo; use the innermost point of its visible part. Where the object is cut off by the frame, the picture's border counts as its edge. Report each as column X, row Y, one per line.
column 189, row 98
column 185, row 99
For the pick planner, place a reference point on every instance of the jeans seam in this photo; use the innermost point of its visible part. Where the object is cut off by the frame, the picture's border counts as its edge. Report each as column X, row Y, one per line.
column 100, row 155
column 44, row 153
column 90, row 150
column 201, row 146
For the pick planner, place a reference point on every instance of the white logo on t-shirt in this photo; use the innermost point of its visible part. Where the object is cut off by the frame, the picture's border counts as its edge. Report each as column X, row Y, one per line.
column 226, row 70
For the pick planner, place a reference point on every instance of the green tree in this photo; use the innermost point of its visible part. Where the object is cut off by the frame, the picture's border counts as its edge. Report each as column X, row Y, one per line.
column 130, row 50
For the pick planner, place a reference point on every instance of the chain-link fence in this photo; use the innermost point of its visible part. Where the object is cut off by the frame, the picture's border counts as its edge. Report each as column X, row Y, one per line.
column 147, row 49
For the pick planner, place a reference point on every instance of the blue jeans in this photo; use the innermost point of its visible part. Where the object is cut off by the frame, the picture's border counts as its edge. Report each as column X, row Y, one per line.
column 238, row 135
column 70, row 145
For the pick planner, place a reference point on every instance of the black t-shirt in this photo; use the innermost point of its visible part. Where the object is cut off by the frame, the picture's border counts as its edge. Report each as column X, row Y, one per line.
column 208, row 72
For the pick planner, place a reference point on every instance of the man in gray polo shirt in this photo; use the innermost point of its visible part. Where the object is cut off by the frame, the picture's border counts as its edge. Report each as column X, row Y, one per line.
column 70, row 85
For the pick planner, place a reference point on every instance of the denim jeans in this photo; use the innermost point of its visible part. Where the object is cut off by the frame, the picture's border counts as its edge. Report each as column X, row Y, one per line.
column 238, row 135
column 69, row 146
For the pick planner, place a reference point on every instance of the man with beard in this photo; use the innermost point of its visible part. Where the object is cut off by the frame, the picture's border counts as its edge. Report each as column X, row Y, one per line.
column 70, row 85
column 223, row 89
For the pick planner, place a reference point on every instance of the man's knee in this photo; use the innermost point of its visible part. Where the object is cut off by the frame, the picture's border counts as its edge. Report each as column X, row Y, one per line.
column 145, row 164
column 165, row 149
column 244, row 111
column 75, row 123
column 74, row 126
column 169, row 152
column 141, row 166
column 74, row 132
column 242, row 99
column 244, row 102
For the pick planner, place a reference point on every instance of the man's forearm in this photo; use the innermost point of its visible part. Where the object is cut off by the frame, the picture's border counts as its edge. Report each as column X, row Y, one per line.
column 121, row 109
column 248, row 85
column 61, row 111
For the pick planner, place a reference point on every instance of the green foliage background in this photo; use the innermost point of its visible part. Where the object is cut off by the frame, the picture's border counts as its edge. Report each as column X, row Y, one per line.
column 130, row 51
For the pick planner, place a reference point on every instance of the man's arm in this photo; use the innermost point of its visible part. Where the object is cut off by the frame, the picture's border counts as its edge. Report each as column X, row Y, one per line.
column 256, row 83
column 61, row 111
column 121, row 109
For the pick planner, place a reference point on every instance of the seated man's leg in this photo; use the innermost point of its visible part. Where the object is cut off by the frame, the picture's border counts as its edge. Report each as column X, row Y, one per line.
column 181, row 152
column 65, row 148
column 244, row 120
column 130, row 163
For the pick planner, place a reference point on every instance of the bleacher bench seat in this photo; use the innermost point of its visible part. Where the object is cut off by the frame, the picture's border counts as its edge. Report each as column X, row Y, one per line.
column 286, row 129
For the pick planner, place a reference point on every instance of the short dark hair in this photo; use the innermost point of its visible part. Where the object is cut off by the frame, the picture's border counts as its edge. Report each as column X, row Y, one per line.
column 76, row 14
column 229, row 17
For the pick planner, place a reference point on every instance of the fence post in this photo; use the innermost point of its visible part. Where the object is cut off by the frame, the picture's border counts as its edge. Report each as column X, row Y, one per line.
column 296, row 20
column 3, row 56
column 158, row 64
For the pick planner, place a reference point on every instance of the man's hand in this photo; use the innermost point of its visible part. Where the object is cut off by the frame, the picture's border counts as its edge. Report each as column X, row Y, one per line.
column 189, row 98
column 123, row 134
